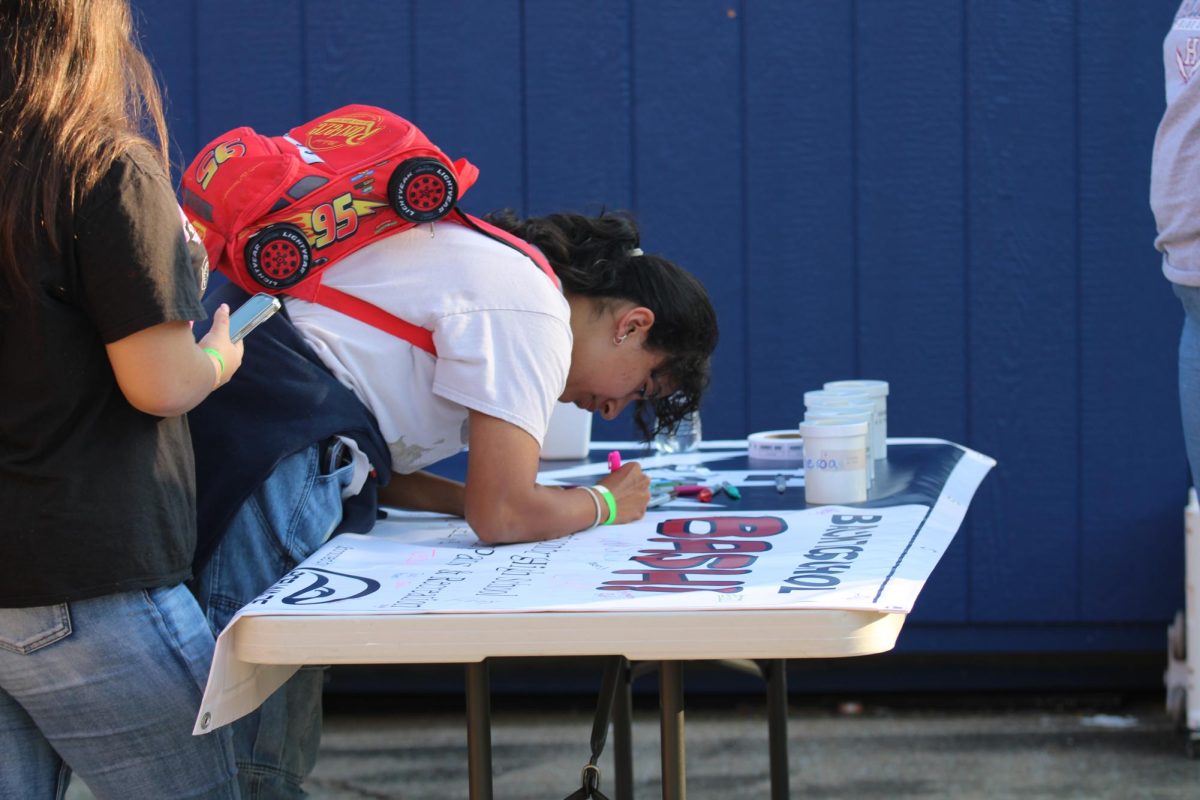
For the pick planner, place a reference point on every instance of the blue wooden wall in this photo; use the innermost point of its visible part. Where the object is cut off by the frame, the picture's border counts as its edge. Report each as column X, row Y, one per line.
column 947, row 194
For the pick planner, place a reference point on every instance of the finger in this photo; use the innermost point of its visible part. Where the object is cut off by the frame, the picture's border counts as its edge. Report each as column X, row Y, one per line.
column 221, row 317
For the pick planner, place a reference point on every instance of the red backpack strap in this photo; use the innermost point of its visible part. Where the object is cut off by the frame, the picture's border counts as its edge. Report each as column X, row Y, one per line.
column 376, row 317
column 490, row 230
column 415, row 335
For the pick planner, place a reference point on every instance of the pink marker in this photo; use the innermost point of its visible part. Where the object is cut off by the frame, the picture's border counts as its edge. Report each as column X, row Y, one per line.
column 614, row 461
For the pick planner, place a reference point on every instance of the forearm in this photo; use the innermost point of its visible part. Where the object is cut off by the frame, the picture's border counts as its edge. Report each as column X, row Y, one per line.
column 538, row 512
column 424, row 491
column 163, row 371
column 505, row 503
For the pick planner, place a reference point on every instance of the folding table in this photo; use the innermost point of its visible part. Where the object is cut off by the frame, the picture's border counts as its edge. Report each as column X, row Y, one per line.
column 925, row 485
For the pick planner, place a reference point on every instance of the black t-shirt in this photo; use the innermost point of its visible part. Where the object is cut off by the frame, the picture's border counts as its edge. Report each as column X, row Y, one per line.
column 96, row 497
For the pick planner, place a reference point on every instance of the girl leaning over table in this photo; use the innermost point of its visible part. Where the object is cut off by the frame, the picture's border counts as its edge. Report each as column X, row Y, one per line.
column 626, row 328
column 103, row 650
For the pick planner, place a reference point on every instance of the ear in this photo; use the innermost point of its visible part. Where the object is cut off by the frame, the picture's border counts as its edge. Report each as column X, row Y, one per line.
column 638, row 319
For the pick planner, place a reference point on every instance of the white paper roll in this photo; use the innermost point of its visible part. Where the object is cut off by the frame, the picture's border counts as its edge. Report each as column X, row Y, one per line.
column 776, row 446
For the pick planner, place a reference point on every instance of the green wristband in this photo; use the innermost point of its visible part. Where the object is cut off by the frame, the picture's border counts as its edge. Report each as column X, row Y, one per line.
column 612, row 503
column 212, row 351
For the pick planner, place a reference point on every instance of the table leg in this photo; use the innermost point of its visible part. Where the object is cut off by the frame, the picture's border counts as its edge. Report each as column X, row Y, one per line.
column 670, row 699
column 479, row 732
column 777, row 711
column 623, row 735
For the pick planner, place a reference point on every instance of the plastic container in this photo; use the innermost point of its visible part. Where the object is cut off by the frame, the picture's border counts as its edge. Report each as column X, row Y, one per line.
column 878, row 391
column 835, row 461
column 569, row 434
column 859, row 412
column 683, row 439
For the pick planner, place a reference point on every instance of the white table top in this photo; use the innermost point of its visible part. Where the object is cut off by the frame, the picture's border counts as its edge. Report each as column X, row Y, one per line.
column 643, row 636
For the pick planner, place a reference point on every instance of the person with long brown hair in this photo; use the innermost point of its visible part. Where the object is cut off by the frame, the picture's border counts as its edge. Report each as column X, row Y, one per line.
column 103, row 650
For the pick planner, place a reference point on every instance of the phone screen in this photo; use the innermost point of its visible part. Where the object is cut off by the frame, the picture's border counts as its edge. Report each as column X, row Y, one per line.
column 250, row 314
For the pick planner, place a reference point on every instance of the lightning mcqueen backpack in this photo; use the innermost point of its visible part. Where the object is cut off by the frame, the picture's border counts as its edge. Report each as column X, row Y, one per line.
column 274, row 212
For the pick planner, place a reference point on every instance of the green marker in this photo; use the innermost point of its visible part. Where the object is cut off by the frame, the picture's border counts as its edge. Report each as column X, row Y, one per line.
column 730, row 490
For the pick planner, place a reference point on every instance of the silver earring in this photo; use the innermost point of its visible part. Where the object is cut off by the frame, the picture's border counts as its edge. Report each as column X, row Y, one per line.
column 618, row 339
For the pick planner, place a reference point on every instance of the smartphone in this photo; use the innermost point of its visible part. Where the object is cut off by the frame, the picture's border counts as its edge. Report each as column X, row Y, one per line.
column 250, row 314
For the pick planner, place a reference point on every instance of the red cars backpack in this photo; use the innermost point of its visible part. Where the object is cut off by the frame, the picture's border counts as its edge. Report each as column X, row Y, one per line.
column 275, row 211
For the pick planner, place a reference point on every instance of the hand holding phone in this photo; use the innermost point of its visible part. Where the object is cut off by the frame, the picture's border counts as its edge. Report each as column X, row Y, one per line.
column 250, row 314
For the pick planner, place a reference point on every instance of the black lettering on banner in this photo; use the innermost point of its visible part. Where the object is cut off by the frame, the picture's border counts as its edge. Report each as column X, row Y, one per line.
column 845, row 539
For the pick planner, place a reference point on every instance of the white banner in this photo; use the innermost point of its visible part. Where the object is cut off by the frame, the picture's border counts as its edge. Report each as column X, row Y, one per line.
column 687, row 556
column 829, row 557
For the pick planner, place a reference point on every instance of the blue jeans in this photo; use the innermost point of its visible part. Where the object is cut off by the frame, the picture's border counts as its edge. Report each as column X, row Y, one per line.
column 284, row 521
column 1189, row 374
column 109, row 688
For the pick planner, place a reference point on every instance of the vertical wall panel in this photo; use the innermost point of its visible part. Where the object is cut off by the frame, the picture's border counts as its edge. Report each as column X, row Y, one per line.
column 577, row 99
column 347, row 61
column 688, row 168
column 250, row 66
column 800, row 286
column 577, row 117
column 469, row 93
column 165, row 28
column 1133, row 469
column 911, row 238
column 949, row 194
column 1023, row 328
column 910, row 232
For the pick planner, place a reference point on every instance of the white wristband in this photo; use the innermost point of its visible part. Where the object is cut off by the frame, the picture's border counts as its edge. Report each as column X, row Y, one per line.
column 596, row 500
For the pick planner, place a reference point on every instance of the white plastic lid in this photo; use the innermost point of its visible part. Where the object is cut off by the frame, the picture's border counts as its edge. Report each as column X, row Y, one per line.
column 820, row 398
column 873, row 388
column 831, row 426
column 849, row 413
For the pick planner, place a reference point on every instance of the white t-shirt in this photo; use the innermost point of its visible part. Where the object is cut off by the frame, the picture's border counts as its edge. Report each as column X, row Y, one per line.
column 501, row 328
column 1173, row 195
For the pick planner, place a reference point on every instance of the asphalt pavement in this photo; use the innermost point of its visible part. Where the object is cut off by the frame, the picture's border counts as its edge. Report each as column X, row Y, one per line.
column 1031, row 747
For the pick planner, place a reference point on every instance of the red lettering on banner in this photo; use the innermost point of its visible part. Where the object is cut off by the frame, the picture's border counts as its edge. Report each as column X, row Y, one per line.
column 701, row 547
column 674, row 581
column 719, row 527
column 716, row 551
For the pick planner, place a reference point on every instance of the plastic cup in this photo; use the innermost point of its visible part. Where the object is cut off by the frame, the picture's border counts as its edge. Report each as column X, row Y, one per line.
column 569, row 434
column 877, row 391
column 683, row 438
column 835, row 461
column 859, row 412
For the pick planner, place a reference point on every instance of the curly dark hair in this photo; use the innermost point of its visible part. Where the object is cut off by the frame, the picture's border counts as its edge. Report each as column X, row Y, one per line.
column 592, row 257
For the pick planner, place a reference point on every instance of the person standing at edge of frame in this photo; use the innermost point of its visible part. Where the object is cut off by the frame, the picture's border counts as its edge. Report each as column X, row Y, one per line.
column 1176, row 204
column 104, row 652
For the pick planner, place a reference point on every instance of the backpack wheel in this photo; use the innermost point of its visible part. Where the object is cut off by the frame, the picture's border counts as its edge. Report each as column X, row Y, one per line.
column 278, row 256
column 422, row 190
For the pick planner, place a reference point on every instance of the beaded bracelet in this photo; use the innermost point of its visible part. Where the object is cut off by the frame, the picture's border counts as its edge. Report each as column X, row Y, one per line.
column 612, row 504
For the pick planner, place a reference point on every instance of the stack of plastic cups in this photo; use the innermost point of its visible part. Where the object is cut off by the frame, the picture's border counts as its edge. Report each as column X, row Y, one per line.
column 850, row 413
column 821, row 401
column 835, row 460
column 878, row 392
